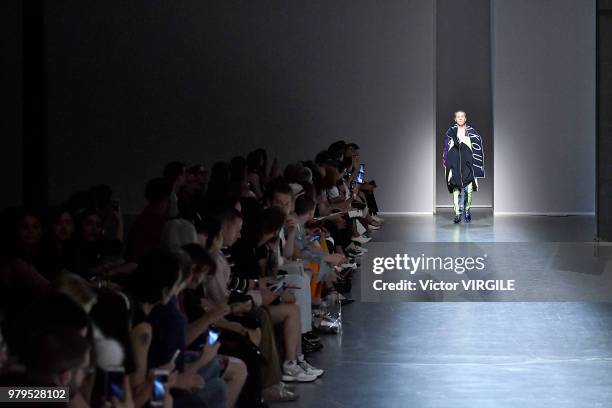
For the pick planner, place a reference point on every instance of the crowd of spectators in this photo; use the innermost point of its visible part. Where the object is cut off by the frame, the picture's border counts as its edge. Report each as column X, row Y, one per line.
column 211, row 298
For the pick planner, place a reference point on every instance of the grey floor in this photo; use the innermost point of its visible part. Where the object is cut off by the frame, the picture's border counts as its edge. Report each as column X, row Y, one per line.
column 469, row 354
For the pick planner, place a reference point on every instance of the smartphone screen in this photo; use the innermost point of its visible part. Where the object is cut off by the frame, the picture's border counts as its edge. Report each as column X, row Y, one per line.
column 160, row 378
column 213, row 336
column 115, row 383
column 361, row 174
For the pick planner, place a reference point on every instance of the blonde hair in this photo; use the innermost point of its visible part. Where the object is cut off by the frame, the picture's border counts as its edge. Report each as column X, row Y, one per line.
column 77, row 289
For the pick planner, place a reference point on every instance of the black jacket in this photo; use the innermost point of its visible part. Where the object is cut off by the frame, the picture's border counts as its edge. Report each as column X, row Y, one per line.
column 463, row 163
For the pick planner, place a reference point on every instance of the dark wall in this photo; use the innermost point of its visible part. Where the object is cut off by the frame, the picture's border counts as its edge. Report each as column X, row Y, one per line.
column 463, row 81
column 135, row 84
column 11, row 178
column 604, row 164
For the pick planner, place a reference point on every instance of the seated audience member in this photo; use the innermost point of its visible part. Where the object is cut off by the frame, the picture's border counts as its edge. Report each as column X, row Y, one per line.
column 58, row 242
column 94, row 256
column 217, row 192
column 155, row 281
column 174, row 173
column 108, row 351
column 281, row 195
column 336, row 150
column 257, row 169
column 20, row 279
column 146, row 231
column 168, row 335
column 203, row 265
column 191, row 195
column 110, row 211
column 256, row 172
column 238, row 181
column 251, row 255
column 246, row 322
column 58, row 359
column 177, row 232
column 39, row 325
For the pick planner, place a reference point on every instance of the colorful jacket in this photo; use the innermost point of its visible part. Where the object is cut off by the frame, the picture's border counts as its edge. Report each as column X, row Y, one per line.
column 463, row 163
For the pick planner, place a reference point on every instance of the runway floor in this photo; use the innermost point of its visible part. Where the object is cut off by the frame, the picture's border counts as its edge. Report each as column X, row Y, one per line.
column 469, row 354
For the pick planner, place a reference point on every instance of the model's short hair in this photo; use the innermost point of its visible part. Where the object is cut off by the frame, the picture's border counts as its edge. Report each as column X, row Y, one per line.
column 457, row 111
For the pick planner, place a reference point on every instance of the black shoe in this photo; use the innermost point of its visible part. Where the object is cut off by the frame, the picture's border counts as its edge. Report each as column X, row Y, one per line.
column 310, row 336
column 468, row 216
column 346, row 301
column 308, row 347
column 457, row 219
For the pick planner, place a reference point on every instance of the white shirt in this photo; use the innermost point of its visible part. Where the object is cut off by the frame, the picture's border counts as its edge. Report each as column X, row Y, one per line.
column 463, row 138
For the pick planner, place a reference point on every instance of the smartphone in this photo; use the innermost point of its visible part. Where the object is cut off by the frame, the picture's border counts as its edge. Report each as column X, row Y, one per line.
column 278, row 287
column 213, row 335
column 361, row 174
column 160, row 379
column 115, row 388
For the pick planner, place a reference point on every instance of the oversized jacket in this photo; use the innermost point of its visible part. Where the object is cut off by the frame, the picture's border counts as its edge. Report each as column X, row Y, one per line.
column 463, row 163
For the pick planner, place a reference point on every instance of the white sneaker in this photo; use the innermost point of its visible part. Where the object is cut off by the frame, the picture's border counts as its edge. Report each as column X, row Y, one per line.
column 378, row 219
column 361, row 239
column 355, row 250
column 293, row 372
column 359, row 251
column 309, row 369
column 373, row 227
column 348, row 265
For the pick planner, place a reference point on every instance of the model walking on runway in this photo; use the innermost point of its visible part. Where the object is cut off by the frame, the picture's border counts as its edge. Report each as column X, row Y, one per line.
column 463, row 157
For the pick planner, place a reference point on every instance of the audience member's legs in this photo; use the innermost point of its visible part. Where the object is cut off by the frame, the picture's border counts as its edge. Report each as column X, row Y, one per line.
column 303, row 299
column 214, row 394
column 270, row 370
column 288, row 314
column 234, row 376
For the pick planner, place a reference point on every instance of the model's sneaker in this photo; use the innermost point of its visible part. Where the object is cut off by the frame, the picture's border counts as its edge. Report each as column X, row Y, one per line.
column 468, row 216
column 457, row 219
column 309, row 369
column 372, row 227
column 361, row 239
column 292, row 372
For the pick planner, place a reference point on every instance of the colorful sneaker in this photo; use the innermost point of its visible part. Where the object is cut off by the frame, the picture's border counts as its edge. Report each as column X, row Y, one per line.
column 468, row 216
